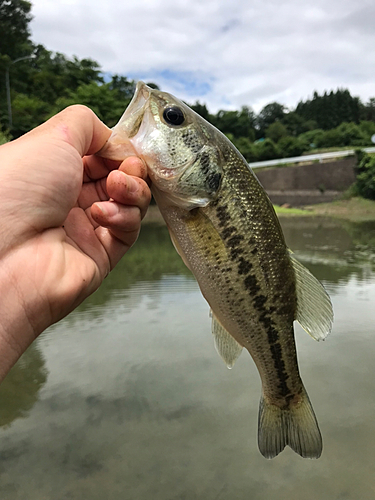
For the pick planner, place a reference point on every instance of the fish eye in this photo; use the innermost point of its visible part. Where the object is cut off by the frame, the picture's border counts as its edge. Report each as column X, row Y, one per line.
column 174, row 116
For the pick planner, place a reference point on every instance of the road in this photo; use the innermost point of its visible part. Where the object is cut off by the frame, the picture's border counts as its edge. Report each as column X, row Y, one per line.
column 308, row 158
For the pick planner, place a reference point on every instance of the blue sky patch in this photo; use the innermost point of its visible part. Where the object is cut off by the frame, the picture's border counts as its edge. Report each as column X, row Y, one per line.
column 186, row 83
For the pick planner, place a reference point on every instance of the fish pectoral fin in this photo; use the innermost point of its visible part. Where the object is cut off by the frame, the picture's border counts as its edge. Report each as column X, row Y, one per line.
column 226, row 346
column 295, row 426
column 314, row 307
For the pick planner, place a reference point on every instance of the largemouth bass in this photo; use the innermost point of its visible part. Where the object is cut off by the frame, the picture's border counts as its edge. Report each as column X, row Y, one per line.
column 223, row 225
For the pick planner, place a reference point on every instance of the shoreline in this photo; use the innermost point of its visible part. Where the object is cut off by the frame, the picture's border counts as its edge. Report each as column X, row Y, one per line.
column 353, row 209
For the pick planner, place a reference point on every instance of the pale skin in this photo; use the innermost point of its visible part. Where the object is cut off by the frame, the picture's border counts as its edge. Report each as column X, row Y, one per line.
column 66, row 219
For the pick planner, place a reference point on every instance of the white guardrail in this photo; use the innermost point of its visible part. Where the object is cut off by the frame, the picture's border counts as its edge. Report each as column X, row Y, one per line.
column 300, row 159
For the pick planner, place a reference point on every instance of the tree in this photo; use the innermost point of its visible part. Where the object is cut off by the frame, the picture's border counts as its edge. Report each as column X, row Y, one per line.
column 124, row 87
column 368, row 110
column 365, row 176
column 329, row 110
column 14, row 28
column 290, row 146
column 266, row 150
column 297, row 125
column 239, row 123
column 268, row 115
column 276, row 131
column 245, row 147
column 28, row 112
column 311, row 138
column 202, row 110
column 45, row 79
column 107, row 103
column 367, row 129
column 53, row 75
column 346, row 134
column 14, row 43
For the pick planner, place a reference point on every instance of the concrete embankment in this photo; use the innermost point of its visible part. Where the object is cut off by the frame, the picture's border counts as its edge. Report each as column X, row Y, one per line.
column 307, row 184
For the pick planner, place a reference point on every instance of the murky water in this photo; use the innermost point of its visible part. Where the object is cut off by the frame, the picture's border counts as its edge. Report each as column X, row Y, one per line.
column 127, row 398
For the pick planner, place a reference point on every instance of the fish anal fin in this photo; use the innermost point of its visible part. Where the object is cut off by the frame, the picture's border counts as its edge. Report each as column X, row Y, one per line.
column 227, row 347
column 295, row 426
column 314, row 308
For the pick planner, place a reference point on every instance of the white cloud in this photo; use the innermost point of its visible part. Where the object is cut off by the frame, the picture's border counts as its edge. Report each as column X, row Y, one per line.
column 226, row 54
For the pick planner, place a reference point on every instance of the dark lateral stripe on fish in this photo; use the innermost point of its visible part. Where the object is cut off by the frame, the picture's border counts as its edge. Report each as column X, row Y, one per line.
column 222, row 213
column 228, row 231
column 259, row 300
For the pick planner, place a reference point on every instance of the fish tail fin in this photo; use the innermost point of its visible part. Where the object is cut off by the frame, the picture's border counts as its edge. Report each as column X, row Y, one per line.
column 295, row 426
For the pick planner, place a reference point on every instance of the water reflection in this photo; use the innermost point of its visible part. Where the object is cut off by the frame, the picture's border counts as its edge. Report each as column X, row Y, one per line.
column 151, row 258
column 137, row 403
column 20, row 390
column 335, row 251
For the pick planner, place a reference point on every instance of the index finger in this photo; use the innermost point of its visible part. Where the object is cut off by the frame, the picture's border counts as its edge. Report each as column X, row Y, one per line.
column 78, row 126
column 97, row 168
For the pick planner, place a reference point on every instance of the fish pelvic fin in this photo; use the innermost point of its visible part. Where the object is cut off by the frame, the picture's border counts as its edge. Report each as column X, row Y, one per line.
column 295, row 426
column 226, row 346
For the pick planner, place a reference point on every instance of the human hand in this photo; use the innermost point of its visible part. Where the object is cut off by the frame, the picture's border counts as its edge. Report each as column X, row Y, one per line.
column 67, row 217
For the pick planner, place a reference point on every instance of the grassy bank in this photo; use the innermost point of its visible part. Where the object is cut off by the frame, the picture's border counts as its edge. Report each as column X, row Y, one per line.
column 355, row 209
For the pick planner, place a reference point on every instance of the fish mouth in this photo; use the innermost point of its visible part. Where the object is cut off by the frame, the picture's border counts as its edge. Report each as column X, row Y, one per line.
column 119, row 145
column 132, row 118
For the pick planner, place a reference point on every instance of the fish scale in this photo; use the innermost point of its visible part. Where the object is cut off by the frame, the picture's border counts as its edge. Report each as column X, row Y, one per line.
column 223, row 225
column 250, row 315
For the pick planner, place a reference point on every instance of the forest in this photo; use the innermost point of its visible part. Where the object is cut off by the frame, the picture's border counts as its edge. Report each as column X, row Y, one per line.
column 38, row 83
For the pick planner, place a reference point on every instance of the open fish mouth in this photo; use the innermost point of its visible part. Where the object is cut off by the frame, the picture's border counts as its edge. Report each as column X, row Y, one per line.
column 118, row 147
column 135, row 110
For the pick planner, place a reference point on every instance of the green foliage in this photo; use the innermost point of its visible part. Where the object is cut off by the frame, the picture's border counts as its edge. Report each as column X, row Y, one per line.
column 269, row 114
column 368, row 110
column 365, row 176
column 368, row 129
column 107, row 103
column 360, row 154
column 266, row 150
column 125, row 88
column 3, row 138
column 14, row 28
column 202, row 110
column 294, row 123
column 276, row 131
column 245, row 146
column 53, row 75
column 311, row 138
column 290, row 146
column 28, row 112
column 239, row 123
column 346, row 134
column 48, row 82
column 329, row 110
column 297, row 125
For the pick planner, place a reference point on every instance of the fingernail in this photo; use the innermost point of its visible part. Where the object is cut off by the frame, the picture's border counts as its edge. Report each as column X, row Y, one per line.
column 108, row 208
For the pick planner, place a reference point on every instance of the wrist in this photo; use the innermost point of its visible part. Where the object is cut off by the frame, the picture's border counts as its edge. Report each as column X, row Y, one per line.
column 22, row 316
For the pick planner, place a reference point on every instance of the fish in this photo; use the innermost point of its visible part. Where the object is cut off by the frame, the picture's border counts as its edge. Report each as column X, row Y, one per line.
column 225, row 229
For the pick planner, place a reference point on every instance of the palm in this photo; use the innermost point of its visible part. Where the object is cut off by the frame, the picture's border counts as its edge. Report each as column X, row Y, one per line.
column 69, row 244
column 66, row 220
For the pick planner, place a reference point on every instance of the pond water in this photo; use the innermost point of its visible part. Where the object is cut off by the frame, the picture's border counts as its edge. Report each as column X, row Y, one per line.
column 127, row 398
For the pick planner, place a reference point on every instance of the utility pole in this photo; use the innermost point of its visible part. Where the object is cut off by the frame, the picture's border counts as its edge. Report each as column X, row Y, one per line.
column 7, row 84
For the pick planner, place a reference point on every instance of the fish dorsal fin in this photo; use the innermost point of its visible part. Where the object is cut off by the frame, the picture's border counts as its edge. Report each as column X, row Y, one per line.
column 314, row 307
column 228, row 348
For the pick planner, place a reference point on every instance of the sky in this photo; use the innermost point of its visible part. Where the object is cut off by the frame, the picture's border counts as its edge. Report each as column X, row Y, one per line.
column 224, row 53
